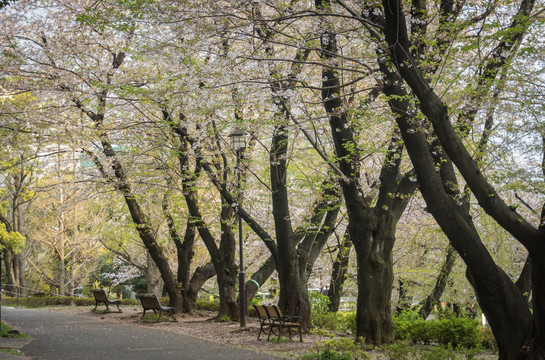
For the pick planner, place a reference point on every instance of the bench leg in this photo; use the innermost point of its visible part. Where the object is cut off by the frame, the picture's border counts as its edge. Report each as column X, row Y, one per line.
column 270, row 332
column 279, row 333
column 261, row 330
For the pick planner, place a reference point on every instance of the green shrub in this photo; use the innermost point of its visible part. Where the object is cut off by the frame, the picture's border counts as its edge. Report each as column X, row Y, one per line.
column 208, row 305
column 397, row 351
column 341, row 349
column 329, row 354
column 225, row 318
column 319, row 304
column 437, row 353
column 402, row 329
column 463, row 332
column 329, row 321
column 338, row 322
column 350, row 322
column 424, row 331
column 408, row 315
column 489, row 342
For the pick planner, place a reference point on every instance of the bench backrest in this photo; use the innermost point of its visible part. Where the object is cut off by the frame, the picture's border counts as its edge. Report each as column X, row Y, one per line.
column 100, row 295
column 271, row 311
column 261, row 311
column 149, row 301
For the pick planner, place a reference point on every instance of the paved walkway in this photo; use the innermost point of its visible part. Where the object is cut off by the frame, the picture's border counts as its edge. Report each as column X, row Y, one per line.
column 12, row 343
column 66, row 337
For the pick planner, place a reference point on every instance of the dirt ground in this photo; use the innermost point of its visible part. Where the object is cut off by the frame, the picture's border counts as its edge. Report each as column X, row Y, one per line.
column 203, row 327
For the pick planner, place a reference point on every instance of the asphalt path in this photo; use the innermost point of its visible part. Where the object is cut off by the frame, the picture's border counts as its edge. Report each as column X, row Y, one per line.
column 57, row 336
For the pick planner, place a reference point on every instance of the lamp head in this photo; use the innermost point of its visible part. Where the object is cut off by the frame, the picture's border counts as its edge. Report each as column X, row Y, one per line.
column 238, row 139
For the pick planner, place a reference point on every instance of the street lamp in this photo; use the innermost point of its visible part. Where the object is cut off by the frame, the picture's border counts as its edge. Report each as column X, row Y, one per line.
column 238, row 143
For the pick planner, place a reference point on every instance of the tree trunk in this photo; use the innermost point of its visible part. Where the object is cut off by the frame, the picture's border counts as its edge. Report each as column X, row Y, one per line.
column 185, row 255
column 500, row 300
column 223, row 257
column 10, row 277
column 404, row 300
column 200, row 276
column 20, row 261
column 515, row 330
column 227, row 277
column 524, row 282
column 139, row 218
column 338, row 273
column 440, row 285
column 293, row 296
column 61, row 272
column 537, row 346
column 146, row 235
column 310, row 239
column 375, row 279
column 184, row 251
column 371, row 229
column 152, row 285
column 259, row 277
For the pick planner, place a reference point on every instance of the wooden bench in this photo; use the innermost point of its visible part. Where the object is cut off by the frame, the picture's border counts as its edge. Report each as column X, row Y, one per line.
column 271, row 318
column 100, row 297
column 151, row 302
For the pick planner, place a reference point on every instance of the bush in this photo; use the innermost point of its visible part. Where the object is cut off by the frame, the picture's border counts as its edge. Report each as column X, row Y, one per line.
column 460, row 332
column 350, row 322
column 424, row 331
column 208, row 305
column 329, row 321
column 341, row 349
column 408, row 315
column 457, row 332
column 338, row 322
column 329, row 354
column 489, row 342
column 319, row 304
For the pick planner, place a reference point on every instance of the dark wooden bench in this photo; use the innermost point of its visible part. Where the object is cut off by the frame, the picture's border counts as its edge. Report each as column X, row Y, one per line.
column 100, row 297
column 151, row 302
column 271, row 318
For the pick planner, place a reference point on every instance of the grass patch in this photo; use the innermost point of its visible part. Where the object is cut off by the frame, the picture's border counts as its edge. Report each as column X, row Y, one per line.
column 11, row 351
column 7, row 331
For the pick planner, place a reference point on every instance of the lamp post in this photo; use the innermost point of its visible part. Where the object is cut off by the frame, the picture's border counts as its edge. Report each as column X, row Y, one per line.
column 238, row 143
